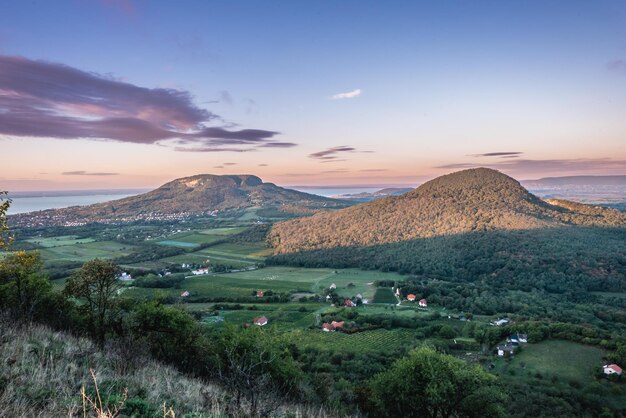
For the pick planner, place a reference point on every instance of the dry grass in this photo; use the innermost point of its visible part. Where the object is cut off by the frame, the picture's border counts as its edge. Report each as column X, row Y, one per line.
column 42, row 373
column 53, row 374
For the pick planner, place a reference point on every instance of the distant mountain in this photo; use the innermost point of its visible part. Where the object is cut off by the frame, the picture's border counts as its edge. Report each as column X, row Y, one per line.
column 576, row 181
column 468, row 201
column 365, row 197
column 187, row 196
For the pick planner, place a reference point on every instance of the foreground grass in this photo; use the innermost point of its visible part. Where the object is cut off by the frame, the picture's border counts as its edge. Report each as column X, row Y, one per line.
column 42, row 374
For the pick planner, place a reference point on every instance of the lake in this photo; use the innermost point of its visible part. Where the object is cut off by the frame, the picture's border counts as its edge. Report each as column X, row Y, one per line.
column 31, row 204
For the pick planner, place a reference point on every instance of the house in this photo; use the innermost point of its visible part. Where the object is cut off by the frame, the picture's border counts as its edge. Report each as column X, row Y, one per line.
column 337, row 324
column 506, row 350
column 333, row 286
column 423, row 303
column 518, row 338
column 184, row 294
column 612, row 369
column 411, row 297
column 259, row 294
column 260, row 321
column 349, row 304
column 398, row 292
column 200, row 272
column 326, row 327
column 125, row 277
column 499, row 322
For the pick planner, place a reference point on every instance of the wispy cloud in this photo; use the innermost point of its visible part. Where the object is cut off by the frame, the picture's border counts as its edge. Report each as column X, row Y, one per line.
column 373, row 170
column 229, row 163
column 87, row 173
column 528, row 166
column 50, row 100
column 331, row 153
column 278, row 145
column 347, row 95
column 499, row 154
column 263, row 165
column 617, row 66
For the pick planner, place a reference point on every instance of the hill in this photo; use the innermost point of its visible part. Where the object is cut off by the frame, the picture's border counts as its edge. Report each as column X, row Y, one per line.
column 467, row 201
column 195, row 195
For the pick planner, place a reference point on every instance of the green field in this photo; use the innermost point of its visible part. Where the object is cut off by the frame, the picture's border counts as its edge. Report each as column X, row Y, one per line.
column 564, row 359
column 86, row 251
column 375, row 340
column 385, row 295
column 60, row 241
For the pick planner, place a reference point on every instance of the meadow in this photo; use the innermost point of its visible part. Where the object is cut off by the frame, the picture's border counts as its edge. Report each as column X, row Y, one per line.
column 565, row 360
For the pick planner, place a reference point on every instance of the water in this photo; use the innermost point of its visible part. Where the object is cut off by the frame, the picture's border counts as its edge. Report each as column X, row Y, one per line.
column 30, row 204
column 327, row 192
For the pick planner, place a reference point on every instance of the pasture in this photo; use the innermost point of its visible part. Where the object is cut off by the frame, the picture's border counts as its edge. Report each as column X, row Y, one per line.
column 60, row 241
column 565, row 360
column 385, row 295
column 86, row 251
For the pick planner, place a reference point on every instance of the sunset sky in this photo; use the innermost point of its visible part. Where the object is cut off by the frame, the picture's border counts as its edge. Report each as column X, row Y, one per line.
column 122, row 93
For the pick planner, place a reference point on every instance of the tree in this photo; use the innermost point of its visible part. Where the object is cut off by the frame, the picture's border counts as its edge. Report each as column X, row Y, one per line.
column 430, row 384
column 255, row 365
column 4, row 227
column 95, row 285
column 23, row 286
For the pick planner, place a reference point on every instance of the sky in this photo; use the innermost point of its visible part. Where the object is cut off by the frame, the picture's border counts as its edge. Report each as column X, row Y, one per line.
column 127, row 94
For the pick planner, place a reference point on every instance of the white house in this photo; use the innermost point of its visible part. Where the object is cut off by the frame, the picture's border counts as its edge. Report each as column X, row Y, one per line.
column 200, row 272
column 124, row 277
column 610, row 369
column 332, row 286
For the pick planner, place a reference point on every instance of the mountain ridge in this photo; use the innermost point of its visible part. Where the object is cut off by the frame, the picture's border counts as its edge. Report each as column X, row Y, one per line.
column 187, row 196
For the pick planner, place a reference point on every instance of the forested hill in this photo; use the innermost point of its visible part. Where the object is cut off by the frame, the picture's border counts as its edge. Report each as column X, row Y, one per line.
column 191, row 195
column 464, row 202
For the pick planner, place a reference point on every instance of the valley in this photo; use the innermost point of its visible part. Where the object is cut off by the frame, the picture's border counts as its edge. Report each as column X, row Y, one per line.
column 551, row 271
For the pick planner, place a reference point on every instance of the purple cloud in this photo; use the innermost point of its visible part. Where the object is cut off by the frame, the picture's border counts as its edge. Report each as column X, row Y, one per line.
column 44, row 99
column 509, row 154
column 278, row 145
column 330, row 153
column 87, row 173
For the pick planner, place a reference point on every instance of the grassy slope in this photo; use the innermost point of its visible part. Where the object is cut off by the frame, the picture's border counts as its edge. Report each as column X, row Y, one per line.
column 43, row 371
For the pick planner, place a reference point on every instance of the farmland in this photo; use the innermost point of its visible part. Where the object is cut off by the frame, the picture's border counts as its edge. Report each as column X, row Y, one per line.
column 298, row 300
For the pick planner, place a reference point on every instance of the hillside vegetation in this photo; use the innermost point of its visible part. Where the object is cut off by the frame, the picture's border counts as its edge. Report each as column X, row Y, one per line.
column 464, row 202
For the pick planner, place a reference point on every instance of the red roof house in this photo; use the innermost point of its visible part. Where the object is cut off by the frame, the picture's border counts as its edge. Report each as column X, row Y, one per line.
column 423, row 303
column 259, row 294
column 612, row 369
column 327, row 327
column 337, row 324
column 348, row 303
column 410, row 297
column 260, row 321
